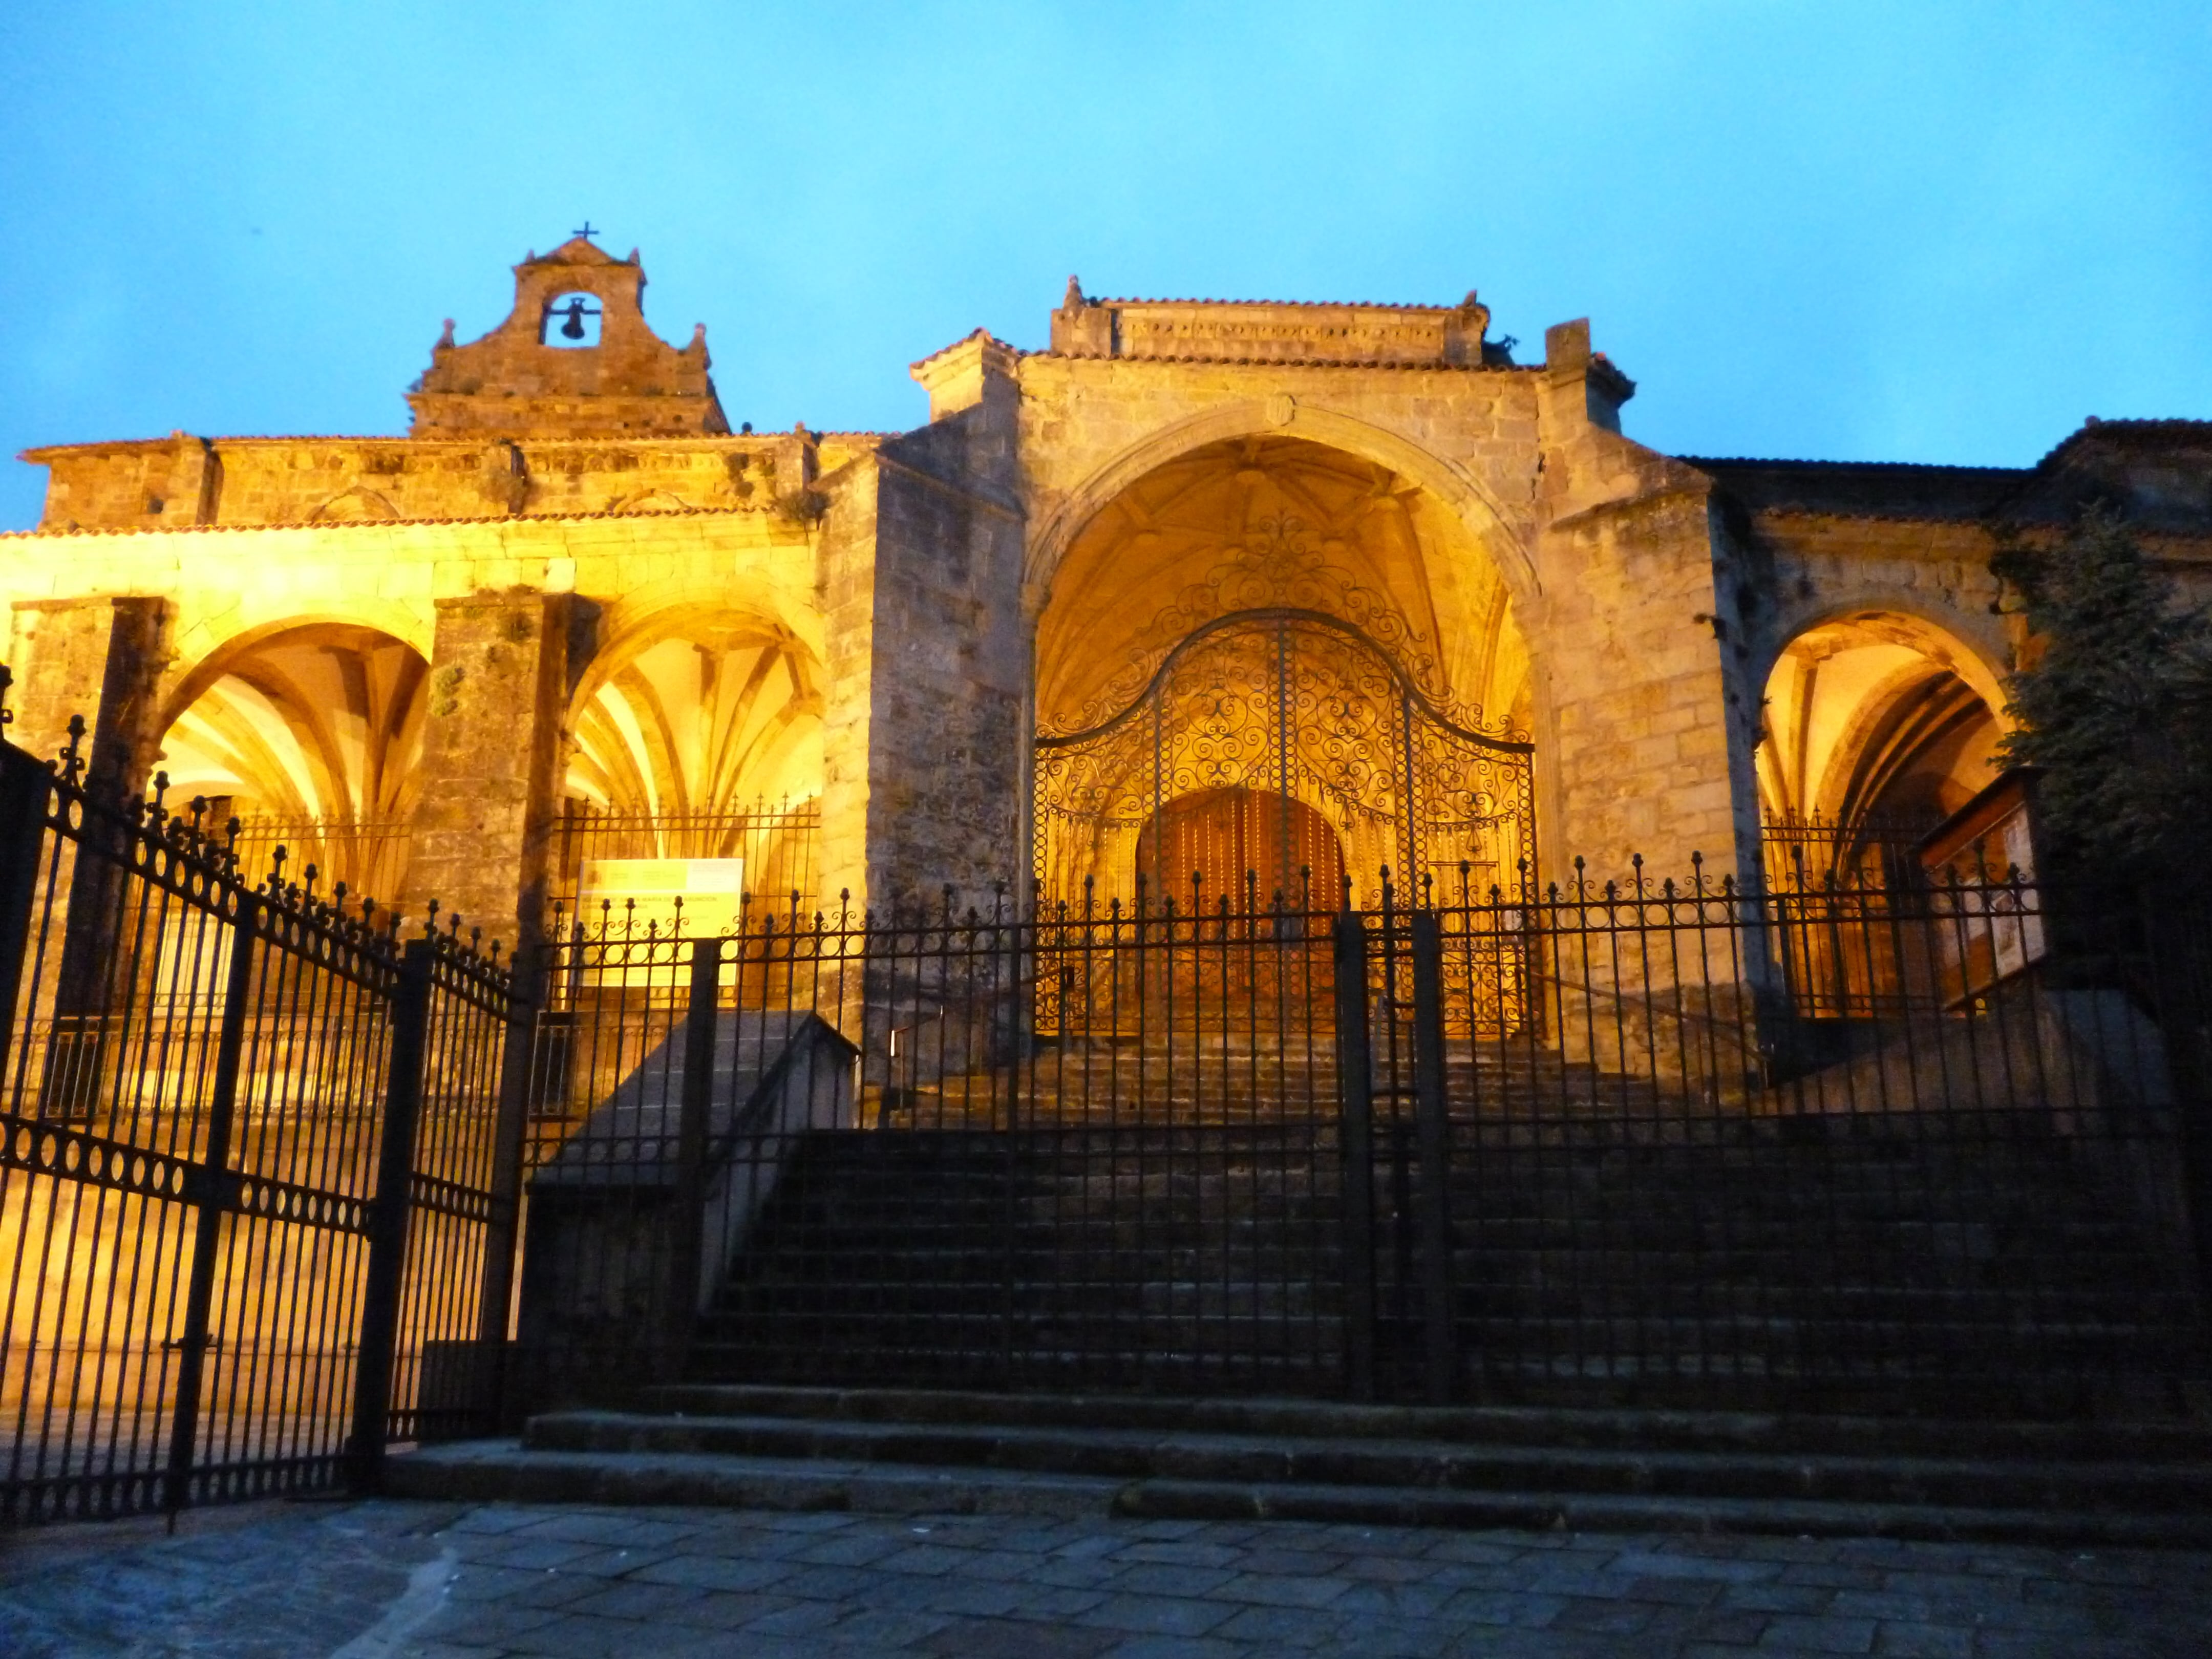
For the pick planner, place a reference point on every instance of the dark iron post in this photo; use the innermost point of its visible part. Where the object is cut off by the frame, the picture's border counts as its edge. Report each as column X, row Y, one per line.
column 212, row 1190
column 1355, row 1083
column 1432, row 1127
column 387, row 1218
column 517, row 1050
column 687, row 1224
column 2177, row 950
column 25, row 788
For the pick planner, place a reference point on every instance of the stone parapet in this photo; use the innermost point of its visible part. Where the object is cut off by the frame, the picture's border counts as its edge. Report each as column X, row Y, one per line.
column 182, row 483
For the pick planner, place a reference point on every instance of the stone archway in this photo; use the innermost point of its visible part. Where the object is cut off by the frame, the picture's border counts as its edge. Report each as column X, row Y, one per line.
column 311, row 734
column 1271, row 613
column 1476, row 511
column 694, row 740
column 1878, row 725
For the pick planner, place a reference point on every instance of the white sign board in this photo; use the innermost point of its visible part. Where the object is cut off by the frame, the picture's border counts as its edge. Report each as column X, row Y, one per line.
column 695, row 897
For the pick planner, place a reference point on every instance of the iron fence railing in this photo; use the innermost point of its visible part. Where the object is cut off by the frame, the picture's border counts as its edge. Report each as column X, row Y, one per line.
column 279, row 1188
column 369, row 854
column 248, row 1140
column 1884, row 1148
column 1807, row 850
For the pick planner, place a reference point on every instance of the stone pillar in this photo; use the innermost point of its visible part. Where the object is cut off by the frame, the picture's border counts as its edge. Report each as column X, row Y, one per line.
column 948, row 748
column 927, row 744
column 490, row 763
column 1652, row 729
column 845, row 561
column 1634, row 645
column 1639, row 636
column 100, row 658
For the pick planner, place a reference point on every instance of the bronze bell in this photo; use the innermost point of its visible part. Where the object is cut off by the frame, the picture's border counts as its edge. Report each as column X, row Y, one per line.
column 574, row 328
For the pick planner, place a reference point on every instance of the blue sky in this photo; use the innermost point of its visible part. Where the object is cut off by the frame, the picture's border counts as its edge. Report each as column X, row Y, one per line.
column 1940, row 231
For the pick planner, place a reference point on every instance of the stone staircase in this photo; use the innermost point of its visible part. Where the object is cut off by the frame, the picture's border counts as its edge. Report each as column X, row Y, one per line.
column 944, row 1452
column 1141, row 1220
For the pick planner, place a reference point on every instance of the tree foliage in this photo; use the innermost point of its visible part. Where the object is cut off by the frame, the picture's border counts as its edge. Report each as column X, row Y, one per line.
column 2117, row 713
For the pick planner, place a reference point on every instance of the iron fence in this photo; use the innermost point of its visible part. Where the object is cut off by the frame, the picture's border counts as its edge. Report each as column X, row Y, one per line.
column 248, row 1144
column 369, row 854
column 1895, row 1149
column 279, row 1188
column 1808, row 849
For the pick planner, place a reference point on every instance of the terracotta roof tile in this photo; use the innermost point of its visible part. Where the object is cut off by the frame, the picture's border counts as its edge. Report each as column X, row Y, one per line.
column 1868, row 489
column 2125, row 430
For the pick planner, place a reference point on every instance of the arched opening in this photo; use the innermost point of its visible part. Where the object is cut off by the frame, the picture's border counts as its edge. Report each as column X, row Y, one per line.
column 1879, row 727
column 309, row 736
column 1876, row 731
column 694, row 770
column 1274, row 616
column 571, row 321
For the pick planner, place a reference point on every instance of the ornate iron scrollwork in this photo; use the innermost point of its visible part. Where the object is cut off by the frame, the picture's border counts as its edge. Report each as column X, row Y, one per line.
column 1307, row 707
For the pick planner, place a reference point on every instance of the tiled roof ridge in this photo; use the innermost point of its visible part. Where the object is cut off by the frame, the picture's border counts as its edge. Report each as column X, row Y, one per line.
column 384, row 524
column 2125, row 427
column 972, row 334
column 1848, row 466
column 1872, row 515
column 2150, row 537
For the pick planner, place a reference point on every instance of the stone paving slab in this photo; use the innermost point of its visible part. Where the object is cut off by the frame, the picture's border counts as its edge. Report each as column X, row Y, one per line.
column 400, row 1580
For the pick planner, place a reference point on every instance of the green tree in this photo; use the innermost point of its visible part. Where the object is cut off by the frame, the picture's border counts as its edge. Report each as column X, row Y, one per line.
column 2115, row 712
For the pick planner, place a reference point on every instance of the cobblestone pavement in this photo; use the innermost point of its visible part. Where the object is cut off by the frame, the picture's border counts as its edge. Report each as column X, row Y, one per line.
column 383, row 1580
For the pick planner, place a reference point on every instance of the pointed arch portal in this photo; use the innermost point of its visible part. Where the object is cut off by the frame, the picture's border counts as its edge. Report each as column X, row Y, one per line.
column 1268, row 619
column 1306, row 712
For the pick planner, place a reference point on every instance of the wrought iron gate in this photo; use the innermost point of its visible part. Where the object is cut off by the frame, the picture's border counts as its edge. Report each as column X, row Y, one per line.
column 257, row 1190
column 1270, row 1151
column 1271, row 754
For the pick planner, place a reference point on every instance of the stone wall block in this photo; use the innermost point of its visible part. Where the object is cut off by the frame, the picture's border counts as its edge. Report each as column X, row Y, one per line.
column 103, row 658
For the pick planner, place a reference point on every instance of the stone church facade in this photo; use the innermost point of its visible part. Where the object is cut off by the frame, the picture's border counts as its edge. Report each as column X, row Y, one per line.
column 1202, row 587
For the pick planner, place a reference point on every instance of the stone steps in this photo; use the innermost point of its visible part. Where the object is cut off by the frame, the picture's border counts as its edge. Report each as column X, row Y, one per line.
column 913, row 1450
column 1766, row 1257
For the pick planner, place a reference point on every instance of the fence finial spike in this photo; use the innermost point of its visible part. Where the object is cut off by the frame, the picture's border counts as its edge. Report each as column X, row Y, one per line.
column 73, row 750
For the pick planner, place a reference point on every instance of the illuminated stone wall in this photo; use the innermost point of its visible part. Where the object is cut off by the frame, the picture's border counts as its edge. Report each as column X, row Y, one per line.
column 566, row 523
